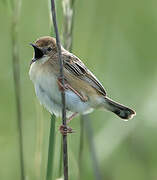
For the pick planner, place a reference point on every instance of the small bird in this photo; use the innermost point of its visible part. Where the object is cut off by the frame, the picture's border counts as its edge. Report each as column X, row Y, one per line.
column 83, row 91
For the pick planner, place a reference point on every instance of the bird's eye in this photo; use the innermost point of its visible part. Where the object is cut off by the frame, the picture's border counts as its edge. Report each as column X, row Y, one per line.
column 49, row 48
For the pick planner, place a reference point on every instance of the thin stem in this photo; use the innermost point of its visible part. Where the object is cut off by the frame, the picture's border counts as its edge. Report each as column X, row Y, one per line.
column 60, row 160
column 51, row 148
column 65, row 152
column 16, row 75
column 68, row 22
column 81, row 147
column 67, row 40
column 89, row 133
column 52, row 134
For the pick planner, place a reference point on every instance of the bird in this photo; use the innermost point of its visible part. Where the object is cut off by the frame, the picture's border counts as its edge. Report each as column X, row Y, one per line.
column 83, row 91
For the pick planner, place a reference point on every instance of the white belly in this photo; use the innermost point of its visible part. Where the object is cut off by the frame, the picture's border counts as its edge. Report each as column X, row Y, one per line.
column 47, row 91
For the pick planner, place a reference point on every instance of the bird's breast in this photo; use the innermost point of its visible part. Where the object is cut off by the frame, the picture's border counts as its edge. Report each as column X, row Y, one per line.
column 46, row 80
column 47, row 91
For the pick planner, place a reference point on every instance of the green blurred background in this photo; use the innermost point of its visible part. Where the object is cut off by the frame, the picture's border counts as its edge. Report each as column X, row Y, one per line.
column 117, row 40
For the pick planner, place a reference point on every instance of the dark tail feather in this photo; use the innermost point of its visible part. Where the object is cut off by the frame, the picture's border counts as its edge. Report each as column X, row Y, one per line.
column 120, row 110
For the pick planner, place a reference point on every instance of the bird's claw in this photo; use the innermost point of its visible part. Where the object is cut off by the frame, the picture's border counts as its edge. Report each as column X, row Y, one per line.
column 64, row 130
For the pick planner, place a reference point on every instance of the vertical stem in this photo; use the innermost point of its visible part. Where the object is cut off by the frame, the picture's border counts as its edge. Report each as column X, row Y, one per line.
column 16, row 74
column 68, row 22
column 39, row 143
column 89, row 133
column 52, row 135
column 65, row 153
column 81, row 147
column 68, row 16
column 60, row 160
column 51, row 149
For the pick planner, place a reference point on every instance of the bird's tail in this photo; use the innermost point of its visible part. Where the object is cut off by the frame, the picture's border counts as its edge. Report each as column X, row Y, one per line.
column 120, row 110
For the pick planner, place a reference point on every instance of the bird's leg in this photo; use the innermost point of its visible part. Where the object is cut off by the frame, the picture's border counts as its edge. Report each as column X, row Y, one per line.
column 60, row 85
column 67, row 86
column 71, row 117
column 64, row 130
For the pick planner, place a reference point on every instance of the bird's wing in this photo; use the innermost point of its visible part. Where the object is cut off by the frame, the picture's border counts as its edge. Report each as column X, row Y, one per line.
column 77, row 68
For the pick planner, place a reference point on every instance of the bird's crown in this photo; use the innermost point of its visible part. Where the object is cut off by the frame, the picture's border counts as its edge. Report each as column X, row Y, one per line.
column 46, row 41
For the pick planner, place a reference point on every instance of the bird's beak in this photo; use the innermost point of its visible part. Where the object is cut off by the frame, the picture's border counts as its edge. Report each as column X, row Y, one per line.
column 38, row 53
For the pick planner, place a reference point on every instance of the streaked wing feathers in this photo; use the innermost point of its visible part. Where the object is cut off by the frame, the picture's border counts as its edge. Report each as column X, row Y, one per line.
column 75, row 66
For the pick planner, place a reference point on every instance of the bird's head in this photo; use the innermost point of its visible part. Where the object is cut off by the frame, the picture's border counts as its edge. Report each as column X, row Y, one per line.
column 44, row 47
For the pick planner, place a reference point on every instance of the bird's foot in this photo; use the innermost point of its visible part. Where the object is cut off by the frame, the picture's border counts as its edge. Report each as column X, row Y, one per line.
column 64, row 130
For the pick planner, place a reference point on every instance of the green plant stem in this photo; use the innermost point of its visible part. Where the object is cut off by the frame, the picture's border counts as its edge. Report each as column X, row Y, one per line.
column 89, row 133
column 16, row 6
column 81, row 147
column 52, row 134
column 67, row 41
column 50, row 169
column 60, row 160
column 65, row 151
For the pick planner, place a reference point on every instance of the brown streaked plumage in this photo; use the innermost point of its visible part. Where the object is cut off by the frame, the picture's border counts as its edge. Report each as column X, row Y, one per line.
column 83, row 90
